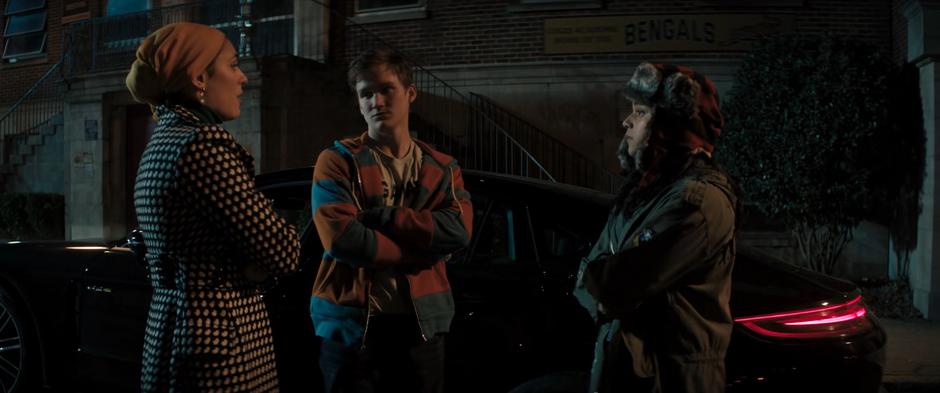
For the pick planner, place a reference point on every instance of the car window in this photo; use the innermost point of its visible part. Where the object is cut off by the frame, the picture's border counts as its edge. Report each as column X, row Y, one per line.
column 495, row 240
column 480, row 206
column 292, row 202
column 561, row 242
column 299, row 218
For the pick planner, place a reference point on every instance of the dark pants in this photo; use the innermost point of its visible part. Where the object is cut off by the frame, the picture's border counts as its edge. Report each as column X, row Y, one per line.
column 395, row 359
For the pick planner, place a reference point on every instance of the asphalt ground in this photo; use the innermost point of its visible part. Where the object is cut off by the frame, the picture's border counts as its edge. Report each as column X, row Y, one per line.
column 912, row 355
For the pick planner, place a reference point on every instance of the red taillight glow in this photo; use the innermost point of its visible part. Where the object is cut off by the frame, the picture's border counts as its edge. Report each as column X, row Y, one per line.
column 830, row 321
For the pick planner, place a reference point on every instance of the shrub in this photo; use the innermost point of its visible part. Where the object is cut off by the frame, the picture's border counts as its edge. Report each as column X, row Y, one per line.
column 803, row 116
column 32, row 216
column 889, row 299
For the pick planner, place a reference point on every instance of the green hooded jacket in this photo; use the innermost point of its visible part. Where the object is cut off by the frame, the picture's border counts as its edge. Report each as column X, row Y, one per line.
column 661, row 276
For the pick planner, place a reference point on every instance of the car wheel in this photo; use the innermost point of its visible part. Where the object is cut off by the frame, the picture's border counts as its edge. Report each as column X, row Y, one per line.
column 17, row 348
column 555, row 383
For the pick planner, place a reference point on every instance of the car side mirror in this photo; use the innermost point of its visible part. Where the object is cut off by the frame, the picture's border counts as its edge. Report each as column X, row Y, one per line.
column 135, row 242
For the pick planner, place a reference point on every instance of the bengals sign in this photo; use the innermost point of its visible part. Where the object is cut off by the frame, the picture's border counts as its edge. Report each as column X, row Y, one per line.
column 661, row 33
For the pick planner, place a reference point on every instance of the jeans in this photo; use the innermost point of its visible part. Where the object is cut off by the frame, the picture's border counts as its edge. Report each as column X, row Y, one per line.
column 394, row 359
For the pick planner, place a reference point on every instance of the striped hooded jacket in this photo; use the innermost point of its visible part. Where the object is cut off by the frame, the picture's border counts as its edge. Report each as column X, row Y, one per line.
column 360, row 234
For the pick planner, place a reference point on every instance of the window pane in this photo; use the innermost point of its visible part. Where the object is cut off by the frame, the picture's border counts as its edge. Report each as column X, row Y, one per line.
column 267, row 8
column 496, row 241
column 15, row 6
column 367, row 5
column 561, row 242
column 130, row 27
column 25, row 23
column 25, row 44
column 272, row 38
column 121, row 7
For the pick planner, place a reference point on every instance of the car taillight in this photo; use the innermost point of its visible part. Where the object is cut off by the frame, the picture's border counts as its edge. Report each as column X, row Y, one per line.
column 838, row 320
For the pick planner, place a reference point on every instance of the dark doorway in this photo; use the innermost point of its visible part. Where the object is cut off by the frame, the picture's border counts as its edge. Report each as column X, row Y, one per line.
column 140, row 125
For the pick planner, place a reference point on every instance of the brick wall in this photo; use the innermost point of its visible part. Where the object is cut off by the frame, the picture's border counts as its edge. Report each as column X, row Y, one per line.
column 15, row 79
column 306, row 106
column 486, row 31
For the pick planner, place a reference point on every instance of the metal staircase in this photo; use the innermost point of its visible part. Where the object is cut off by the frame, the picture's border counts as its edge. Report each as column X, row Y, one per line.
column 566, row 164
column 447, row 118
column 31, row 120
column 479, row 133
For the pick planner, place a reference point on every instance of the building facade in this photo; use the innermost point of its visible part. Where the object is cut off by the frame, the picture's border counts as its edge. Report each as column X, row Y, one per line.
column 527, row 87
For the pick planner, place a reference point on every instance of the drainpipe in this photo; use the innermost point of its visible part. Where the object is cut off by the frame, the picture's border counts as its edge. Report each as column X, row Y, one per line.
column 244, row 25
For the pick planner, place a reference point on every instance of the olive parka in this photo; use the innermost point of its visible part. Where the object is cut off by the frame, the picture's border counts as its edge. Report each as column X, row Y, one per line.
column 661, row 276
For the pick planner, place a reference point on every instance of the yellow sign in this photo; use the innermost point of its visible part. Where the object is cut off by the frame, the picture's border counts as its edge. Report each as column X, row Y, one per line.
column 661, row 33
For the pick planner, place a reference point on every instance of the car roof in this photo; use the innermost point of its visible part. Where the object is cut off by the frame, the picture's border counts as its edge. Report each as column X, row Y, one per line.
column 472, row 179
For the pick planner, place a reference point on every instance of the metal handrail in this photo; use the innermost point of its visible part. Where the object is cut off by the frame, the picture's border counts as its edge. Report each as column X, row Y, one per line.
column 16, row 123
column 558, row 155
column 30, row 91
column 108, row 43
column 425, row 77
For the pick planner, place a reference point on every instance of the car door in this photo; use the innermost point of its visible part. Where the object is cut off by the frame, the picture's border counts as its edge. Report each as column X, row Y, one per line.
column 112, row 304
column 295, row 344
column 495, row 285
column 563, row 237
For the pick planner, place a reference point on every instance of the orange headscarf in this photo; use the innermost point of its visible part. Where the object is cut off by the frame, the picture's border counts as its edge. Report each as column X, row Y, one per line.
column 169, row 58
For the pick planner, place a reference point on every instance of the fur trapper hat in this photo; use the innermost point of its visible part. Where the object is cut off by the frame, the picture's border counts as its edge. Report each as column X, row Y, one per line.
column 681, row 95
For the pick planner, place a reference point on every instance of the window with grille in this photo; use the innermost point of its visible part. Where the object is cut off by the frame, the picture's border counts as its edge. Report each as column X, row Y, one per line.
column 363, row 6
column 552, row 5
column 24, row 29
column 126, row 7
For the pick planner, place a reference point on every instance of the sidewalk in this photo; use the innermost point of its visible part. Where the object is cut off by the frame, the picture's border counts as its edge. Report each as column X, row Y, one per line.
column 912, row 355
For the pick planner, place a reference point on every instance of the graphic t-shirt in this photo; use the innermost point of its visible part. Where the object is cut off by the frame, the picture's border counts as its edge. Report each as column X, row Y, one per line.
column 399, row 180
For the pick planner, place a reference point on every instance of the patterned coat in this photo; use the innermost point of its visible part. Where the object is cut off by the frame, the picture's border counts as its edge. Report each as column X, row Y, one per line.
column 203, row 224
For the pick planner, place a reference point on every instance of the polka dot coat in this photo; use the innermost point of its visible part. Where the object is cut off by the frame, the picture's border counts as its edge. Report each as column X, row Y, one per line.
column 204, row 224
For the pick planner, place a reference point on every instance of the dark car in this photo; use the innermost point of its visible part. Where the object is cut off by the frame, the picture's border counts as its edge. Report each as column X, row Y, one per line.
column 72, row 314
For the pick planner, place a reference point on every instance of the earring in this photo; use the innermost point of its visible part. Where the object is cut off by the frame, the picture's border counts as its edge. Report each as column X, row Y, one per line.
column 202, row 95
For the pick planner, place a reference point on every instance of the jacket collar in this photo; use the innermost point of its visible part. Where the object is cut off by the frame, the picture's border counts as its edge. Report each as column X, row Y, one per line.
column 189, row 112
column 356, row 148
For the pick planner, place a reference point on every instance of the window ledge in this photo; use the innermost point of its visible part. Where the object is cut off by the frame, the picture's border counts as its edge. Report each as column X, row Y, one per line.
column 410, row 13
column 760, row 3
column 25, row 61
column 554, row 6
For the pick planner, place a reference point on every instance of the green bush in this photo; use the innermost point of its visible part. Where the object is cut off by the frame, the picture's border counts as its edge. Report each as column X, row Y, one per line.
column 32, row 216
column 804, row 116
column 889, row 299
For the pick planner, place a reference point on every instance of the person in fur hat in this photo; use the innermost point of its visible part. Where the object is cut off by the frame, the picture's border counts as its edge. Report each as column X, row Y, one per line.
column 658, row 279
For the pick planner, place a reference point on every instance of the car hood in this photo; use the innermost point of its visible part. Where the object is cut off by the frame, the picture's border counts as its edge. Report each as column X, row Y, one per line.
column 37, row 256
column 763, row 285
column 53, row 245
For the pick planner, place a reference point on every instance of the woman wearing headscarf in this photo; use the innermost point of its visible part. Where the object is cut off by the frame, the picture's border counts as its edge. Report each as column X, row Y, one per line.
column 210, row 235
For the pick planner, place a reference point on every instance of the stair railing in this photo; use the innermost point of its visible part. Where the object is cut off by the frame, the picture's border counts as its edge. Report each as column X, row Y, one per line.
column 568, row 165
column 38, row 105
column 449, row 119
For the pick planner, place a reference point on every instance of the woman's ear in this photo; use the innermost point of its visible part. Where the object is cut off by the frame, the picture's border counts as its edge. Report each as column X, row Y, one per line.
column 201, row 80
